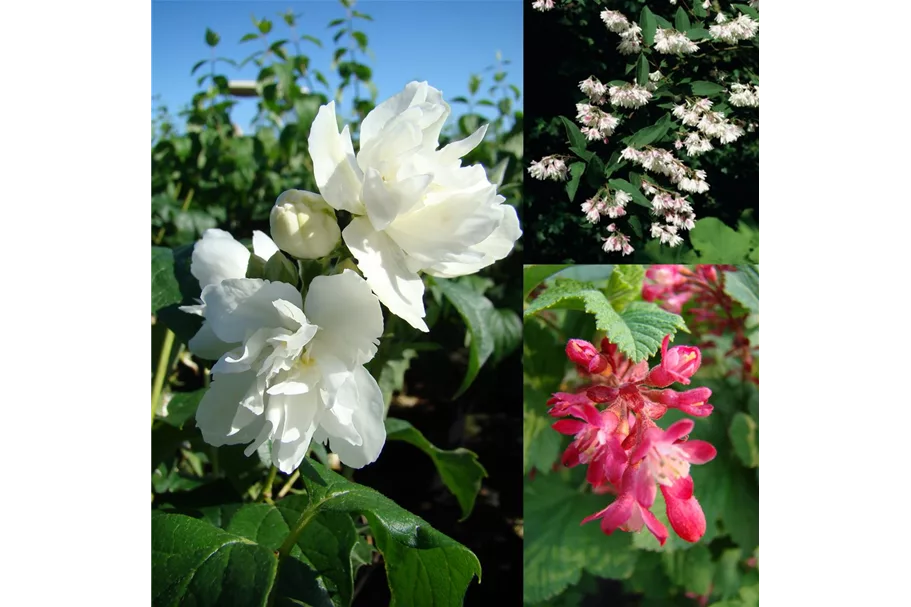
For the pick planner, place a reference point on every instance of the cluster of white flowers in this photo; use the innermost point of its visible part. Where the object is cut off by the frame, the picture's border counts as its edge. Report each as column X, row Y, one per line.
column 549, row 167
column 667, row 234
column 713, row 125
column 594, row 88
column 630, row 33
column 743, row 95
column 629, row 95
column 672, row 42
column 706, row 3
column 542, row 5
column 695, row 144
column 617, row 241
column 676, row 211
column 290, row 370
column 732, row 32
column 597, row 124
column 663, row 162
column 612, row 207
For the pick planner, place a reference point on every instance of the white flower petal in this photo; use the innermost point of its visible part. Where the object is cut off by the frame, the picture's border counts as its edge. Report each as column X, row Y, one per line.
column 383, row 265
column 367, row 419
column 447, row 230
column 334, row 166
column 217, row 257
column 236, row 308
column 300, row 412
column 218, row 408
column 497, row 246
column 263, row 247
column 205, row 344
column 415, row 93
column 385, row 201
column 457, row 149
column 348, row 314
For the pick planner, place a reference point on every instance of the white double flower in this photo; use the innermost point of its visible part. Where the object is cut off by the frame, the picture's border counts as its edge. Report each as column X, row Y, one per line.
column 416, row 208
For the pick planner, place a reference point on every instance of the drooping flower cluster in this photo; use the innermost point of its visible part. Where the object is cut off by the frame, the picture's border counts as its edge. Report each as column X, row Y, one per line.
column 290, row 369
column 597, row 124
column 663, row 162
column 617, row 241
column 713, row 311
column 672, row 42
column 629, row 95
column 612, row 422
column 630, row 33
column 744, row 95
column 542, row 5
column 733, row 31
column 549, row 167
column 594, row 88
column 710, row 124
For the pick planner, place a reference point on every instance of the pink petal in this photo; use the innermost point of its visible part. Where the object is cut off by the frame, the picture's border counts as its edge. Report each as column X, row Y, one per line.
column 681, row 489
column 570, row 456
column 590, row 414
column 602, row 394
column 678, row 430
column 645, row 487
column 699, row 451
column 654, row 525
column 614, row 515
column 686, row 517
column 570, row 427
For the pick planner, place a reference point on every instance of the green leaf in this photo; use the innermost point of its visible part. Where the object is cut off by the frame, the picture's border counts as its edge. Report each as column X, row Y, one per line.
column 572, row 186
column 198, row 65
column 697, row 33
column 681, row 20
column 692, row 569
column 648, row 24
column 743, row 286
column 248, row 37
column 558, row 548
column 506, row 327
column 706, row 89
column 650, row 133
column 459, row 469
column 718, row 243
column 264, row 26
column 194, row 563
column 280, row 269
column 698, row 10
column 747, row 10
column 535, row 274
column 182, row 406
column 637, row 331
column 743, row 433
column 540, row 442
column 575, row 136
column 625, row 285
column 642, row 74
column 392, row 374
column 474, row 309
column 212, row 38
column 624, row 185
column 361, row 39
column 423, row 566
column 165, row 289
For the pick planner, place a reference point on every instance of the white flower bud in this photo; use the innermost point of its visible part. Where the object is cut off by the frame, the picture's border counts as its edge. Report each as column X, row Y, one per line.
column 304, row 225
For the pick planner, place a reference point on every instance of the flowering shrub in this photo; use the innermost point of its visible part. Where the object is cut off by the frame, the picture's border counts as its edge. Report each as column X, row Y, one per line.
column 666, row 118
column 658, row 443
column 283, row 330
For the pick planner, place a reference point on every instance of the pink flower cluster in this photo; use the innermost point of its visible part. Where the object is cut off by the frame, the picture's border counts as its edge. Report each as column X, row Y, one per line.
column 615, row 435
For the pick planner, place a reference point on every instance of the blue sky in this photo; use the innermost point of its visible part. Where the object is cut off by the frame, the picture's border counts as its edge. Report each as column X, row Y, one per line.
column 441, row 41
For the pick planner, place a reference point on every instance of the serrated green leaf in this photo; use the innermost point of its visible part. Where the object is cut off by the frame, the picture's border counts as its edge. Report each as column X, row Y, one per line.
column 692, row 569
column 706, row 89
column 280, row 269
column 637, row 332
column 747, row 10
column 558, row 548
column 716, row 242
column 697, row 33
column 423, row 566
column 625, row 285
column 474, row 309
column 743, row 286
column 743, row 432
column 698, row 10
column 535, row 274
column 576, row 170
column 506, row 327
column 194, row 563
column 649, row 24
column 650, row 134
column 459, row 469
column 540, row 442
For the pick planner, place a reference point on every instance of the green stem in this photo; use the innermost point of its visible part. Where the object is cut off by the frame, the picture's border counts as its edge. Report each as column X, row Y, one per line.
column 267, row 488
column 289, row 542
column 284, row 490
column 162, row 371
